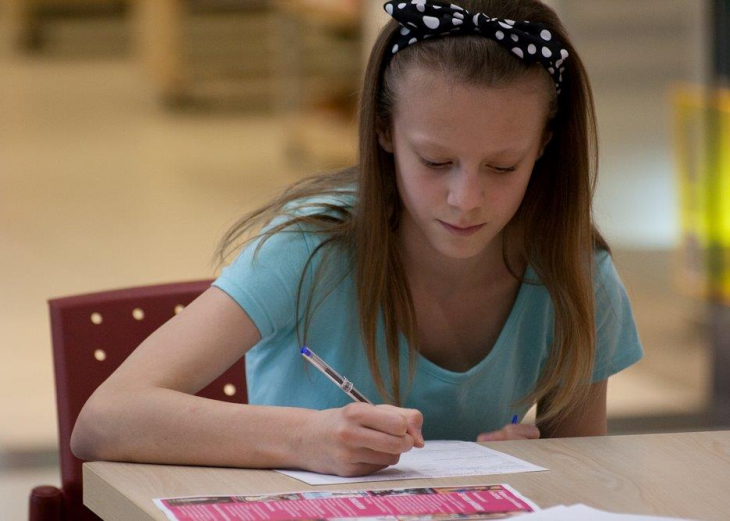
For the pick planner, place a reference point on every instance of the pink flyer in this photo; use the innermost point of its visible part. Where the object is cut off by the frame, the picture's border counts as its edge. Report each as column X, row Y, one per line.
column 408, row 504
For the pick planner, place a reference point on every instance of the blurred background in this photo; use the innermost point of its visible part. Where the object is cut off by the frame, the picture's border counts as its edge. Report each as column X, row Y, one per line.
column 133, row 133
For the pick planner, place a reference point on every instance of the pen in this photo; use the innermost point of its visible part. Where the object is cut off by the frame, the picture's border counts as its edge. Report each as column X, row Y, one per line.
column 514, row 419
column 341, row 382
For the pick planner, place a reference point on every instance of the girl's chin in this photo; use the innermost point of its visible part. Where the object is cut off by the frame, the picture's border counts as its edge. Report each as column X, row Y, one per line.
column 460, row 247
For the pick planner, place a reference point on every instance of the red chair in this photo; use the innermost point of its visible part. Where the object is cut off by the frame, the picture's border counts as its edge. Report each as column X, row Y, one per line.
column 92, row 335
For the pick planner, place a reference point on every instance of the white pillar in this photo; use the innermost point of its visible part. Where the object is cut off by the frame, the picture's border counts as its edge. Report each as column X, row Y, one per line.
column 700, row 38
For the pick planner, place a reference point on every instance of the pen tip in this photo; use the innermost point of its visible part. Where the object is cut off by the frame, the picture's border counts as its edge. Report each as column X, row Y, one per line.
column 304, row 350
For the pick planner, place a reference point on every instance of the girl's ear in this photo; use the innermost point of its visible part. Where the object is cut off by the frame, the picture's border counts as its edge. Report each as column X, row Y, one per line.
column 384, row 138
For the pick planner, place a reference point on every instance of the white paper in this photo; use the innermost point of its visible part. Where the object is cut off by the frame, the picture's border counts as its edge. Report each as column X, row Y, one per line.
column 438, row 459
column 582, row 512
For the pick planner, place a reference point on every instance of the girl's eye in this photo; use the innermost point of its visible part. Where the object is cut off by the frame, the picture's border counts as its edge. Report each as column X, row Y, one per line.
column 505, row 170
column 438, row 166
column 431, row 164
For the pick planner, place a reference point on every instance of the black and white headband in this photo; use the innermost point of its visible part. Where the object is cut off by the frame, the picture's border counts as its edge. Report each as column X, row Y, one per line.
column 423, row 19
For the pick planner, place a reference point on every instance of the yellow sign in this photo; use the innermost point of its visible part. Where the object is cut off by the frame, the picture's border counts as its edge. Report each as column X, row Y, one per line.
column 702, row 144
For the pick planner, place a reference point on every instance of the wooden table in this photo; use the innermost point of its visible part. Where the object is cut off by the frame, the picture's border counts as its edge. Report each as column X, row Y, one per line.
column 682, row 475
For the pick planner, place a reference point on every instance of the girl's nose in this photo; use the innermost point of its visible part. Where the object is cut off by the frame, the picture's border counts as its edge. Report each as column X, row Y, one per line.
column 466, row 190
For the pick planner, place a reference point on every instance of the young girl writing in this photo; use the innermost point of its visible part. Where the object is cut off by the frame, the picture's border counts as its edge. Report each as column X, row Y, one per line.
column 454, row 273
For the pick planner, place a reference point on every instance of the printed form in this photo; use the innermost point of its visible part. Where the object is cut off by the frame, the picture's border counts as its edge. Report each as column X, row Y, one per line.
column 438, row 459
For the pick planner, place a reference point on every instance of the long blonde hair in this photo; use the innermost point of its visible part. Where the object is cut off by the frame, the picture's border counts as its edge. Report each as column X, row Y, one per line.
column 555, row 215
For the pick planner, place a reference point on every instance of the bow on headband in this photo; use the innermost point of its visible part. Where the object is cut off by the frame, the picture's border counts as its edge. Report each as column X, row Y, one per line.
column 423, row 19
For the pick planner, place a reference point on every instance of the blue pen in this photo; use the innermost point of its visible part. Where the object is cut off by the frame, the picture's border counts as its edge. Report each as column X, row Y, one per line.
column 514, row 419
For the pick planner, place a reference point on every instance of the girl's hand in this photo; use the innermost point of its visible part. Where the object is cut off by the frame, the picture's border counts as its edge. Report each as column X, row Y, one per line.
column 518, row 431
column 359, row 438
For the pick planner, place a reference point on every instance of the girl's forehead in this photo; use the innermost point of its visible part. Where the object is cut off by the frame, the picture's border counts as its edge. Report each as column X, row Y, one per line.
column 435, row 107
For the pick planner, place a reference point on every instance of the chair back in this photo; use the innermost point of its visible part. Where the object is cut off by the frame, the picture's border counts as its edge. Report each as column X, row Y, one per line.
column 92, row 335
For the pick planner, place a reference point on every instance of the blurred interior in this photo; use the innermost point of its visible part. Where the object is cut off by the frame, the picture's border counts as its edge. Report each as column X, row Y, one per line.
column 133, row 133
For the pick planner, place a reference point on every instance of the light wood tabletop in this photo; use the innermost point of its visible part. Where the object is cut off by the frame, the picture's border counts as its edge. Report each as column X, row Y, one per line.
column 681, row 475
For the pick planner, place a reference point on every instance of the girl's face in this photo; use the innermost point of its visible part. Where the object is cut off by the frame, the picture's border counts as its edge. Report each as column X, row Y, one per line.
column 463, row 156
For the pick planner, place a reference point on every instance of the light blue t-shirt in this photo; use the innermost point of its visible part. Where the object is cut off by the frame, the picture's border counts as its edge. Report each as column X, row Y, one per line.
column 455, row 405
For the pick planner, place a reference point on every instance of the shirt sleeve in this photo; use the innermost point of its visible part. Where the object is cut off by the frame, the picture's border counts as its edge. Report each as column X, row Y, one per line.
column 266, row 285
column 617, row 340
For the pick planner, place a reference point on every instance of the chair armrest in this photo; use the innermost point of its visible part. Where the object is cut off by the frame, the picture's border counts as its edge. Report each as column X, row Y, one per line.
column 45, row 504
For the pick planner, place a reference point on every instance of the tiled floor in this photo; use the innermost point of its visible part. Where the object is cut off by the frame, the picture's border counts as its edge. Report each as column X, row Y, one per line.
column 102, row 188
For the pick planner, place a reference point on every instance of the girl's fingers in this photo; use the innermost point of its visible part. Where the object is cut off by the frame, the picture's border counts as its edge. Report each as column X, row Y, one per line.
column 372, row 457
column 414, row 419
column 520, row 431
column 492, row 436
column 383, row 430
column 355, row 439
column 526, row 430
column 377, row 418
column 376, row 441
column 395, row 421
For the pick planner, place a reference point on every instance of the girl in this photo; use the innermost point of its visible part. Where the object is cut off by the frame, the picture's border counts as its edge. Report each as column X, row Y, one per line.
column 454, row 272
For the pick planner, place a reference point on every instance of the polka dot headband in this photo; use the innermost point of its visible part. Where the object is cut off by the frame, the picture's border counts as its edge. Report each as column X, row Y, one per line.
column 423, row 19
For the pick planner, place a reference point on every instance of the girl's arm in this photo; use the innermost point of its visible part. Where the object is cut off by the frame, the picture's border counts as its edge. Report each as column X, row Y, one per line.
column 146, row 410
column 588, row 420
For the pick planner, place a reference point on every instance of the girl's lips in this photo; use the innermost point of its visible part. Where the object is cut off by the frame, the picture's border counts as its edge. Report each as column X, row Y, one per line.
column 462, row 232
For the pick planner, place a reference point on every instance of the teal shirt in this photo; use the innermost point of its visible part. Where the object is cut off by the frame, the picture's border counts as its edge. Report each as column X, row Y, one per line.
column 455, row 405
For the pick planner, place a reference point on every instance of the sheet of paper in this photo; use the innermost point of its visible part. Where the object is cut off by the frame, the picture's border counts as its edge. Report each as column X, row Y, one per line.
column 582, row 512
column 438, row 459
column 471, row 502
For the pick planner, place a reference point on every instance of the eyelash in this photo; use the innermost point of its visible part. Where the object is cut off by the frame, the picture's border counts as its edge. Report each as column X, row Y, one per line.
column 439, row 166
column 435, row 166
